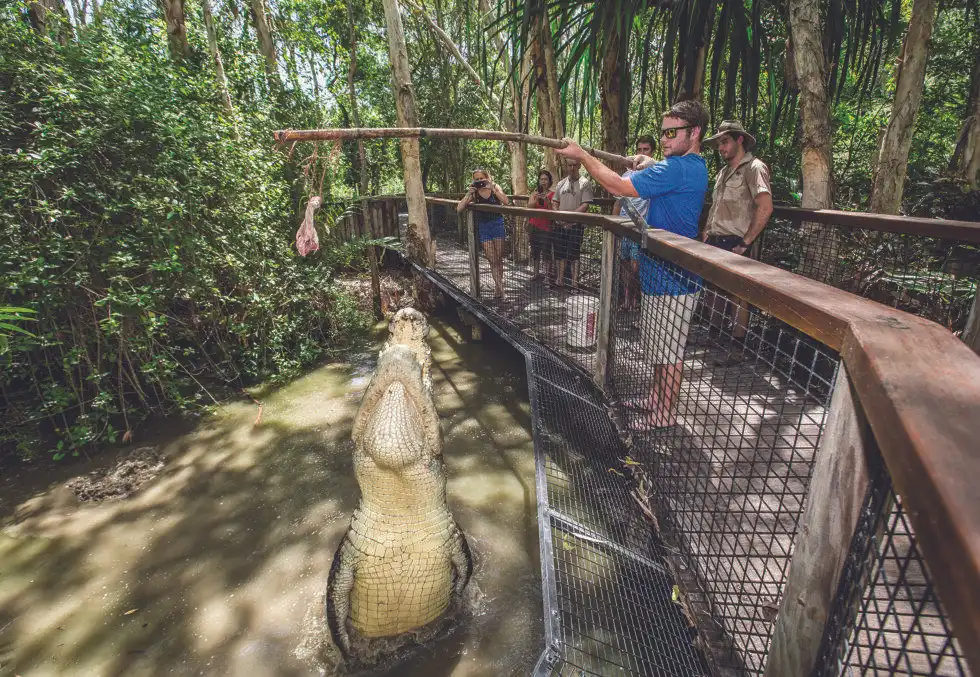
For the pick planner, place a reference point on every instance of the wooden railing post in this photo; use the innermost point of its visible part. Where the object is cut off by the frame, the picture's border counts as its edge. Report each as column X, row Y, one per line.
column 604, row 328
column 461, row 220
column 971, row 332
column 833, row 505
column 474, row 247
column 372, row 255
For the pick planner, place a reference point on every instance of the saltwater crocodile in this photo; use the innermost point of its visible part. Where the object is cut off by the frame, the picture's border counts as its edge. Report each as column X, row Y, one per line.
column 403, row 563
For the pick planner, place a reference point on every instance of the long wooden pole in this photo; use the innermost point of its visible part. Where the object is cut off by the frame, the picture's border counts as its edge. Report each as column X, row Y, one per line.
column 288, row 135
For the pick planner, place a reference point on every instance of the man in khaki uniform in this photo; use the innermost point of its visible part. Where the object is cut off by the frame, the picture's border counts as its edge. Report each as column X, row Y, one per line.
column 741, row 203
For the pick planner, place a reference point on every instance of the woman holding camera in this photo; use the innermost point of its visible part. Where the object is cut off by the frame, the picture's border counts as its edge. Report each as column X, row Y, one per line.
column 540, row 231
column 491, row 226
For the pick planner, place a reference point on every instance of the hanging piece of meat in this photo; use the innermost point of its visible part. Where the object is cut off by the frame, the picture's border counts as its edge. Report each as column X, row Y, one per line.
column 306, row 238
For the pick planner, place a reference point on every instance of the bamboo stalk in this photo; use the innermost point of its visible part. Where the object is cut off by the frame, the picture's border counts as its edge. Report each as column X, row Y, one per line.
column 293, row 135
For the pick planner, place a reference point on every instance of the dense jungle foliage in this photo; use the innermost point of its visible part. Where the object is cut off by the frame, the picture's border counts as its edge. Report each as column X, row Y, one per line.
column 147, row 218
column 154, row 246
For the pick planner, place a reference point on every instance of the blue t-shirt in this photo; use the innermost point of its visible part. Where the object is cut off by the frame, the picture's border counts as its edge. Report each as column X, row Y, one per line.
column 676, row 188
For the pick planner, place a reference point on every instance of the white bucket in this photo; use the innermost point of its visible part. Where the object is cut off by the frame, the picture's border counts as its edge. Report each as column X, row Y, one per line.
column 583, row 320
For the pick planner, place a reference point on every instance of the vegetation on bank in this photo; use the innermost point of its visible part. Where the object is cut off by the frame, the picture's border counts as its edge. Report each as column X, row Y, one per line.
column 154, row 247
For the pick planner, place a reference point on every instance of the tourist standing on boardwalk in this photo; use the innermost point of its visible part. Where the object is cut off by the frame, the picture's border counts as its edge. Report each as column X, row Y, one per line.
column 629, row 251
column 675, row 187
column 540, row 228
column 491, row 226
column 572, row 194
column 741, row 204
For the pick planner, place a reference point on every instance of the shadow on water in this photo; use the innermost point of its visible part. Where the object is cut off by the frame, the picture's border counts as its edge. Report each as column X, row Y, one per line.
column 219, row 564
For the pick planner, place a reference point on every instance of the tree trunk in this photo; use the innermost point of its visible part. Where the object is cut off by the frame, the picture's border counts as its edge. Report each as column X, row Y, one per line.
column 820, row 243
column 313, row 76
column 355, row 114
column 509, row 121
column 218, row 65
column 546, row 82
column 50, row 16
column 518, row 151
column 401, row 75
column 78, row 12
column 893, row 156
column 970, row 162
column 173, row 15
column 965, row 162
column 697, row 92
column 266, row 45
column 614, row 89
column 292, row 65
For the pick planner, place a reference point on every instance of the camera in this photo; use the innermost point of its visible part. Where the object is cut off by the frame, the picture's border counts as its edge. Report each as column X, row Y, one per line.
column 480, row 184
column 541, row 202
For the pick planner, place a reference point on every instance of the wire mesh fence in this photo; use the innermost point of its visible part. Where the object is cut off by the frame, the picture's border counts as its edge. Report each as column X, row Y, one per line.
column 931, row 277
column 610, row 601
column 887, row 618
column 726, row 405
column 615, row 607
column 552, row 295
column 720, row 409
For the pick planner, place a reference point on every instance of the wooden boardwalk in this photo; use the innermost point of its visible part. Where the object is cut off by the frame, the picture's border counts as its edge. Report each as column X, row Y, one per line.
column 732, row 475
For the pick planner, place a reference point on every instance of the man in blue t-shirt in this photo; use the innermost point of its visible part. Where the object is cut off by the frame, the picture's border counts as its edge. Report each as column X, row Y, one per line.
column 676, row 187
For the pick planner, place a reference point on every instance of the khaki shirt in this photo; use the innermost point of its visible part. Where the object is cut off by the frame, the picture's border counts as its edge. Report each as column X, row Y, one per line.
column 570, row 195
column 733, row 200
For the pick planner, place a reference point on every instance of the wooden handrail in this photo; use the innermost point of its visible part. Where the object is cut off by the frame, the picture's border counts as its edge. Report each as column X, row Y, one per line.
column 966, row 231
column 918, row 384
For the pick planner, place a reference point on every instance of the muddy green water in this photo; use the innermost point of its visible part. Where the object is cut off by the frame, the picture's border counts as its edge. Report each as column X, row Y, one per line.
column 218, row 565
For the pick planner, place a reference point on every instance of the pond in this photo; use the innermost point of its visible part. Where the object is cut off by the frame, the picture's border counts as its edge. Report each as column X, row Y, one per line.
column 217, row 566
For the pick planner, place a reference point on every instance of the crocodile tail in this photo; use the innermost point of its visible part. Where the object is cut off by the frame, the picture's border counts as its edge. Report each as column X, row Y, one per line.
column 462, row 560
column 339, row 585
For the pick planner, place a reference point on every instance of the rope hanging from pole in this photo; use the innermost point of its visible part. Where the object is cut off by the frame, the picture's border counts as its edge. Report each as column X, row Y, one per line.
column 293, row 135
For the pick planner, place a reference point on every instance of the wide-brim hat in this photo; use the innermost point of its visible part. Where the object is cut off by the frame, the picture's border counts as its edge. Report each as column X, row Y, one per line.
column 731, row 127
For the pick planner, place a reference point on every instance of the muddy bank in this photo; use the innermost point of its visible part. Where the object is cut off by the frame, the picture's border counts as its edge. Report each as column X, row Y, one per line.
column 216, row 565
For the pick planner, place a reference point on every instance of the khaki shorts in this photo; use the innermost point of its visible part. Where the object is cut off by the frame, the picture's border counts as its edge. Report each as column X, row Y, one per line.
column 665, row 321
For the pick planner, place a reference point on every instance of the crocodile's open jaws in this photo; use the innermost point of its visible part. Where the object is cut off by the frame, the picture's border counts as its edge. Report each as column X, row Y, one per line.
column 403, row 563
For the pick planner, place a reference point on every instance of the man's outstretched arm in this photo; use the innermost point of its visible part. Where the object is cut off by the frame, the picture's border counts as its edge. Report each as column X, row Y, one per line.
column 605, row 177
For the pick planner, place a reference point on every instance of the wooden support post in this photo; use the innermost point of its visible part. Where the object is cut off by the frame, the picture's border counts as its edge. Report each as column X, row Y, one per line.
column 520, row 243
column 474, row 247
column 471, row 321
column 372, row 256
column 393, row 218
column 833, row 505
column 604, row 329
column 365, row 217
column 971, row 332
column 461, row 226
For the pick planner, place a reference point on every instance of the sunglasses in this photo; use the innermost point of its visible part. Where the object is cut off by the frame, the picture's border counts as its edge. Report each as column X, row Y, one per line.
column 671, row 132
